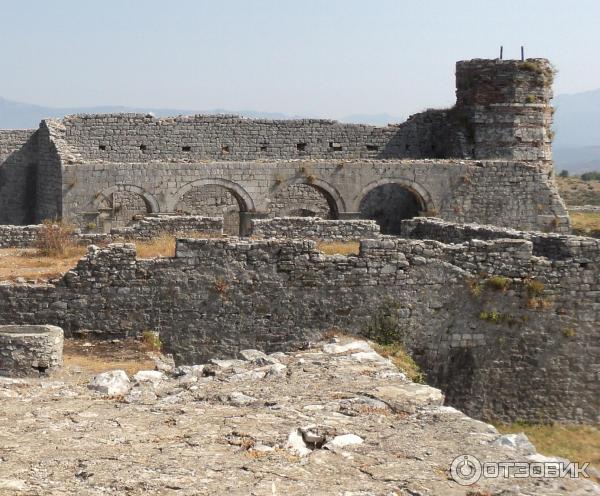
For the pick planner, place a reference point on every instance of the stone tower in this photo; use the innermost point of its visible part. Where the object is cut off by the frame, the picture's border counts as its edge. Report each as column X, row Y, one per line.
column 504, row 108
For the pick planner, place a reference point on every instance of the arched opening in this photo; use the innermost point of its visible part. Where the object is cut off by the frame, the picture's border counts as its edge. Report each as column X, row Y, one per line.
column 389, row 204
column 123, row 208
column 213, row 200
column 303, row 200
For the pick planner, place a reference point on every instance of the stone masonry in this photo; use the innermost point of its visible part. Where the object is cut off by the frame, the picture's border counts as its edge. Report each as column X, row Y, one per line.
column 461, row 164
column 30, row 350
column 504, row 332
column 143, row 230
column 314, row 228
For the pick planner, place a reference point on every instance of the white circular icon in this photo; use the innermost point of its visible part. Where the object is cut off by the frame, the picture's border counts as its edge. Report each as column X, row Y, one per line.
column 466, row 470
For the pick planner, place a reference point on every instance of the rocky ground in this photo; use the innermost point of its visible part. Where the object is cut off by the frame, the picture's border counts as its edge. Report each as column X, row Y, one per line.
column 335, row 419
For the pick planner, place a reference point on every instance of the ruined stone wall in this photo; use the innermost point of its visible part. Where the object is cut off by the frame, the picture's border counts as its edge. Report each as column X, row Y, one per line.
column 505, row 333
column 314, row 228
column 550, row 245
column 86, row 165
column 17, row 176
column 48, row 180
column 143, row 138
column 143, row 230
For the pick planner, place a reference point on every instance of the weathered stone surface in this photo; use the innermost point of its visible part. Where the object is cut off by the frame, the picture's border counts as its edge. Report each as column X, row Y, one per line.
column 314, row 228
column 113, row 383
column 189, row 439
column 30, row 350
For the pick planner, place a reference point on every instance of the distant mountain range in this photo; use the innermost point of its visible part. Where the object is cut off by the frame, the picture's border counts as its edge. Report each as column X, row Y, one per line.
column 576, row 122
column 577, row 126
column 17, row 115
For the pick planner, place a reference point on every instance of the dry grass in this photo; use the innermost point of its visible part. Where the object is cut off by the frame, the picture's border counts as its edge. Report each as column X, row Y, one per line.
column 56, row 256
column 575, row 191
column 164, row 245
column 339, row 247
column 397, row 354
column 579, row 443
column 29, row 264
column 95, row 357
column 586, row 223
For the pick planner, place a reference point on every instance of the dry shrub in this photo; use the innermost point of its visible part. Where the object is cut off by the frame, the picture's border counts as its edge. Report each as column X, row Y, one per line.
column 339, row 247
column 151, row 340
column 55, row 239
column 221, row 287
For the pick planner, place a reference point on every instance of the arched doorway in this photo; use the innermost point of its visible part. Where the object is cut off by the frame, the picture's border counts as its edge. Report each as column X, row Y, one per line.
column 300, row 199
column 389, row 204
column 213, row 200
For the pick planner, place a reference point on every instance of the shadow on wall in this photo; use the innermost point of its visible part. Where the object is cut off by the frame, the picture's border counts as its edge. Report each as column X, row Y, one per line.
column 18, row 182
column 389, row 205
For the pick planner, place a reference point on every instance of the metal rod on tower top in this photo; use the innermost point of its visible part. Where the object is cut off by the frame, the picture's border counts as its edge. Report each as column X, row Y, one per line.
column 501, row 50
column 522, row 52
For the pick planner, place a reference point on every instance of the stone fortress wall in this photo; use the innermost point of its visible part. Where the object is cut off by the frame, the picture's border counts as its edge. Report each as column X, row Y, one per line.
column 459, row 163
column 503, row 331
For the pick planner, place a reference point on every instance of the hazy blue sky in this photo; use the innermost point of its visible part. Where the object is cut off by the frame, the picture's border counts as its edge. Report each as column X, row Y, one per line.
column 323, row 58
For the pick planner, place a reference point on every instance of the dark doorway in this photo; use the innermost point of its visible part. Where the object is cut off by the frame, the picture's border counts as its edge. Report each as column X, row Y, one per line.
column 389, row 204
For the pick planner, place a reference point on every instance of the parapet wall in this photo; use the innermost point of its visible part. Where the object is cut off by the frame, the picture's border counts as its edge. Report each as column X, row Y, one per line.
column 108, row 137
column 314, row 228
column 505, row 333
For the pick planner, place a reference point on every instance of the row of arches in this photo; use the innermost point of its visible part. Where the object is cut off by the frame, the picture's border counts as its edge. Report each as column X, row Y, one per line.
column 386, row 201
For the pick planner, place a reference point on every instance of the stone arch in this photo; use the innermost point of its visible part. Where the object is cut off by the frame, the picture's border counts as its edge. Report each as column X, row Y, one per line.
column 279, row 205
column 389, row 201
column 118, row 205
column 244, row 199
column 215, row 197
column 150, row 201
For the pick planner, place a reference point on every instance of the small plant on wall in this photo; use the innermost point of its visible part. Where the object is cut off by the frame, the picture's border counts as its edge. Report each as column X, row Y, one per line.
column 221, row 287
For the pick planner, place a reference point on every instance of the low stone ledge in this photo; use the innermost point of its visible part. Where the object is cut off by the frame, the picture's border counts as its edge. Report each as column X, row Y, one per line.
column 30, row 350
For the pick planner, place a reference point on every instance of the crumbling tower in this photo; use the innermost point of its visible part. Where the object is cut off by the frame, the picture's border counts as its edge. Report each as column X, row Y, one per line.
column 504, row 108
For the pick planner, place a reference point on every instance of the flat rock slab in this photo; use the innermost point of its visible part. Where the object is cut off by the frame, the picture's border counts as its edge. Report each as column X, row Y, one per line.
column 326, row 425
